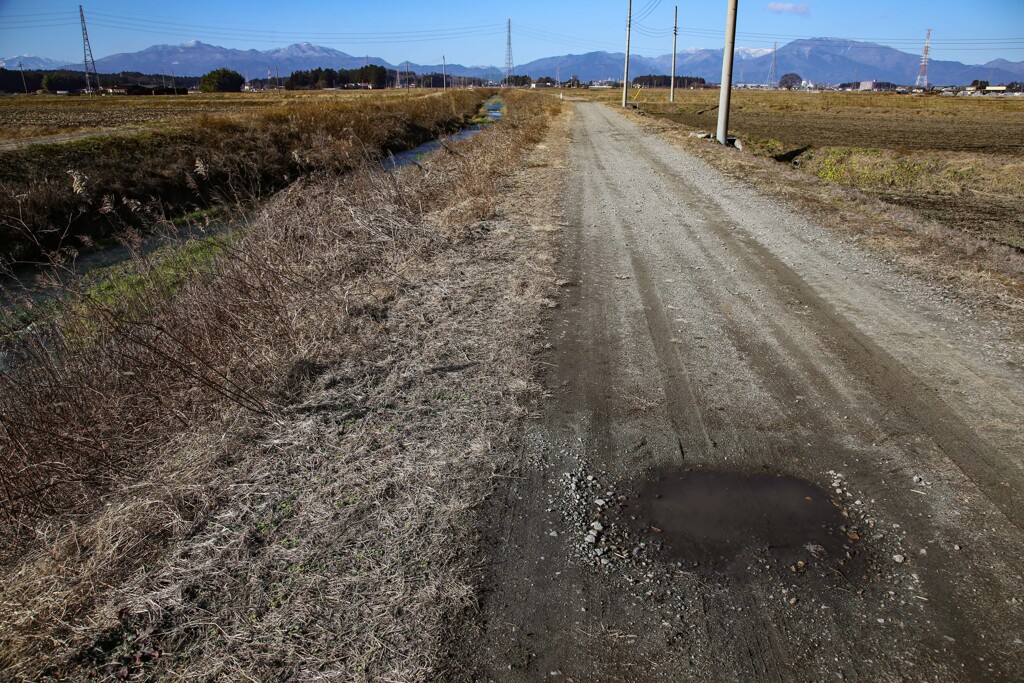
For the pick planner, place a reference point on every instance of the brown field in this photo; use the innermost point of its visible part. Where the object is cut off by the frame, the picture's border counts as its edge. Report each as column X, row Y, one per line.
column 851, row 119
column 956, row 160
column 26, row 119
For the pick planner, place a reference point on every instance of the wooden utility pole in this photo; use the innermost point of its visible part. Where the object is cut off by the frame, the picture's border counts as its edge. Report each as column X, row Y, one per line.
column 444, row 75
column 23, row 84
column 675, row 34
column 725, row 93
column 625, row 75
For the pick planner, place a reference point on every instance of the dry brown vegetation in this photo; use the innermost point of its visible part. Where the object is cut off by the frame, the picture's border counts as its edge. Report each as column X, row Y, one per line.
column 264, row 472
column 70, row 194
column 25, row 119
column 955, row 160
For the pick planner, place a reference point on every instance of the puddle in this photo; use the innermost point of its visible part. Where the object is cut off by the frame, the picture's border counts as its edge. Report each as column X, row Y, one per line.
column 716, row 520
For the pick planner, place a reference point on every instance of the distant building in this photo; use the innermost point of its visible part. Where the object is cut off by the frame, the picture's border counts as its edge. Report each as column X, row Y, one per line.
column 867, row 85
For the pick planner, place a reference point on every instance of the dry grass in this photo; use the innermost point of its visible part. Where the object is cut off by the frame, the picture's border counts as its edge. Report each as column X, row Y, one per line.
column 24, row 118
column 53, row 196
column 291, row 440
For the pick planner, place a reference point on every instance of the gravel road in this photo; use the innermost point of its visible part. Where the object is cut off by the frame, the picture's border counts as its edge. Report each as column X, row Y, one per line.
column 763, row 455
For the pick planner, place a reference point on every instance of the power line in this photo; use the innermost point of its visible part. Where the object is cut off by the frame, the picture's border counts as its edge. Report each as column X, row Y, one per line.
column 151, row 22
column 215, row 34
column 253, row 30
column 644, row 13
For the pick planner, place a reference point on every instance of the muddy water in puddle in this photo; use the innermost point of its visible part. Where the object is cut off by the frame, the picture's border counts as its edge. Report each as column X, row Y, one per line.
column 716, row 520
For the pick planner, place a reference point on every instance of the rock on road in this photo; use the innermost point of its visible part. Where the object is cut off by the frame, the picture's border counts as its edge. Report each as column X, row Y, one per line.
column 705, row 328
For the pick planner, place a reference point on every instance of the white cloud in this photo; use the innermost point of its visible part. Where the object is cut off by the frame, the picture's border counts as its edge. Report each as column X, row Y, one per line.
column 788, row 8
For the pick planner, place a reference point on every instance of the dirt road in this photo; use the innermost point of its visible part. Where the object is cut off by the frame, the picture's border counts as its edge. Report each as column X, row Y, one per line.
column 8, row 145
column 764, row 455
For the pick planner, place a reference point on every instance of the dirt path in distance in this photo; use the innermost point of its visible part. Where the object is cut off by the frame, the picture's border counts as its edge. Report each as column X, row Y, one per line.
column 764, row 454
column 21, row 143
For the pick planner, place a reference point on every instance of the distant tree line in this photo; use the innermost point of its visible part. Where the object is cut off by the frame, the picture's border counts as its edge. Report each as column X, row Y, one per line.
column 652, row 81
column 373, row 75
column 317, row 79
column 517, row 81
column 64, row 79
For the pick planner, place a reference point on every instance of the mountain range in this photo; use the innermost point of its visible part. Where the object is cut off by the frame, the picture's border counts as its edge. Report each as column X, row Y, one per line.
column 30, row 62
column 822, row 60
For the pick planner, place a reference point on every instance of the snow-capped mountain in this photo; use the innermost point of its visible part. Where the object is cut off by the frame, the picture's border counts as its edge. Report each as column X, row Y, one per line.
column 824, row 60
column 30, row 62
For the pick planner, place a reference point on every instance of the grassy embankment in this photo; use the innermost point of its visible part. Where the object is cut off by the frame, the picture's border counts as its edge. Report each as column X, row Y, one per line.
column 229, row 150
column 264, row 471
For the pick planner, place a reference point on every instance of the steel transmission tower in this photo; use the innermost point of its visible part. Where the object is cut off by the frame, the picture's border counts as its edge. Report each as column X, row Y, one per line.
column 508, row 56
column 773, row 70
column 87, row 55
column 922, row 74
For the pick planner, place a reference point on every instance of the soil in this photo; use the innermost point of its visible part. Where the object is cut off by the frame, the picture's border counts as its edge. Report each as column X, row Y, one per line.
column 715, row 348
column 985, row 216
column 967, row 130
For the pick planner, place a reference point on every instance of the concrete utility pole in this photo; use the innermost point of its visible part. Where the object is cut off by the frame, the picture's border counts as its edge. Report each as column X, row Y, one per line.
column 675, row 34
column 24, row 86
column 444, row 75
column 625, row 75
column 726, row 87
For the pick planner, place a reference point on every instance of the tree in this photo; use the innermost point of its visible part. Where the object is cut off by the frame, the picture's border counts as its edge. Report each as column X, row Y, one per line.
column 55, row 81
column 790, row 81
column 221, row 80
column 654, row 81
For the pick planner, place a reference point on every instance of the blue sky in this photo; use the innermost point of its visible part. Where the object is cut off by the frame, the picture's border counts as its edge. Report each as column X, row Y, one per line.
column 473, row 33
